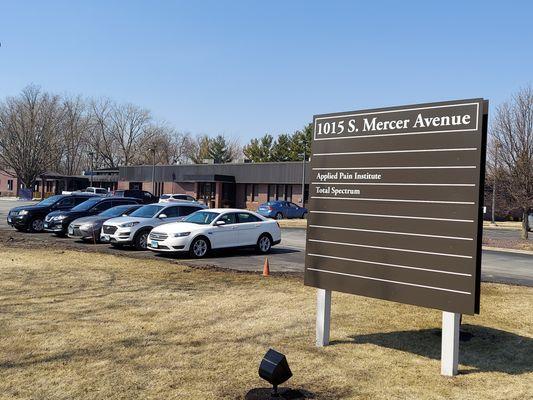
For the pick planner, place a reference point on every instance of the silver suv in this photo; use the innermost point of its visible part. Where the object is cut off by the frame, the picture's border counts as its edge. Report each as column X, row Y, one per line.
column 134, row 229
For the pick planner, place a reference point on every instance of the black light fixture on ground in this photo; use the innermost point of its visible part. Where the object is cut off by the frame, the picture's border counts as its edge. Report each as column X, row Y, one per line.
column 274, row 369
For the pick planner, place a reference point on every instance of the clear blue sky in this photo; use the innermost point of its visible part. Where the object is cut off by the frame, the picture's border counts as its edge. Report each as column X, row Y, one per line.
column 244, row 68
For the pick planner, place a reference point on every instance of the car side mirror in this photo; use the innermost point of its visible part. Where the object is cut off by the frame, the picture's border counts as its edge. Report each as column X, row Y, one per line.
column 220, row 223
column 162, row 216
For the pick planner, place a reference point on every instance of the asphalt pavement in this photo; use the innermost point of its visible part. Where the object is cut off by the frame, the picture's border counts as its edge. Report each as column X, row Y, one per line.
column 497, row 266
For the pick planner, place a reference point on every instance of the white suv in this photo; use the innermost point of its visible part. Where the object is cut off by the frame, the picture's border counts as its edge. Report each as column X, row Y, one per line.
column 215, row 229
column 134, row 228
column 168, row 198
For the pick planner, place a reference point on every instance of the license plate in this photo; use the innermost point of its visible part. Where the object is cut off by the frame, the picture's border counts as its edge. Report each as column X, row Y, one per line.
column 154, row 244
column 70, row 231
column 105, row 238
column 9, row 220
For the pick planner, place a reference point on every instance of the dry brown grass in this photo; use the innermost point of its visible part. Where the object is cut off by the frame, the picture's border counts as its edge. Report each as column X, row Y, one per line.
column 293, row 223
column 95, row 326
column 514, row 225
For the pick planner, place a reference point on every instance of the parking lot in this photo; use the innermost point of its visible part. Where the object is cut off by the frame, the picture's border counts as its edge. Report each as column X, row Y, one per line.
column 288, row 257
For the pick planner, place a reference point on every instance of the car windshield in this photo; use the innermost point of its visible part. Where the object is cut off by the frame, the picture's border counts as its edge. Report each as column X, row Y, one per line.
column 50, row 200
column 201, row 217
column 115, row 211
column 148, row 211
column 87, row 205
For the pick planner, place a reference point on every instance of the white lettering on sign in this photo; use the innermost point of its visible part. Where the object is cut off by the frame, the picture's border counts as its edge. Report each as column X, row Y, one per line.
column 347, row 176
column 453, row 120
column 336, row 191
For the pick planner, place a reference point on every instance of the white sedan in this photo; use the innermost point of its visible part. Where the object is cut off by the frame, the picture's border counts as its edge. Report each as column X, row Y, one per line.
column 216, row 229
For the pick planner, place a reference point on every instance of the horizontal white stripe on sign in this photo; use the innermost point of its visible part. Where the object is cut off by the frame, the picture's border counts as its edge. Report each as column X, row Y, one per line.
column 394, row 200
column 391, row 216
column 388, row 281
column 398, row 184
column 425, row 167
column 388, row 265
column 390, row 248
column 395, row 151
column 390, row 232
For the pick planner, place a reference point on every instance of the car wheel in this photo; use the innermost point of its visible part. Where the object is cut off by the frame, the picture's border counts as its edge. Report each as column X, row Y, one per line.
column 264, row 243
column 141, row 240
column 279, row 215
column 36, row 225
column 199, row 247
column 304, row 215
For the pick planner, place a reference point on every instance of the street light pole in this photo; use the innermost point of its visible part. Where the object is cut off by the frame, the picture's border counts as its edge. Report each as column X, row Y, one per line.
column 91, row 155
column 153, row 170
column 493, row 222
column 303, row 177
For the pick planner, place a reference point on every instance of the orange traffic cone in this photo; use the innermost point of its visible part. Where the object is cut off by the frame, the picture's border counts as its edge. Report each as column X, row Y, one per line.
column 266, row 268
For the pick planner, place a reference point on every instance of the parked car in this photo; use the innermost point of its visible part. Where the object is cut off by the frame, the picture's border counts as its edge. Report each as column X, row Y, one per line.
column 134, row 229
column 91, row 227
column 168, row 198
column 146, row 197
column 58, row 221
column 281, row 209
column 31, row 217
column 97, row 190
column 216, row 229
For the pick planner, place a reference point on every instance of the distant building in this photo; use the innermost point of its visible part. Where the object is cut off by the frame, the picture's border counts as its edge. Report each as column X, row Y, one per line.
column 243, row 185
column 8, row 185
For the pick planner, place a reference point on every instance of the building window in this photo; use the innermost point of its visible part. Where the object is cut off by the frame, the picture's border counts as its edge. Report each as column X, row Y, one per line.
column 248, row 192
column 10, row 185
column 136, row 186
column 271, row 192
column 255, row 192
column 280, row 192
column 288, row 192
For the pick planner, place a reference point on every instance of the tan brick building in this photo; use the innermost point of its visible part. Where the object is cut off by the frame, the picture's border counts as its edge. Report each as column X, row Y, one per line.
column 242, row 185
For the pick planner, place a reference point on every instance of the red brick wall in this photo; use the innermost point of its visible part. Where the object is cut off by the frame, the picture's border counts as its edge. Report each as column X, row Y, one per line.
column 4, row 190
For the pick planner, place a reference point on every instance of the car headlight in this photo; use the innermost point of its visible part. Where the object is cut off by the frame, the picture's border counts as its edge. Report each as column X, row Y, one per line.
column 60, row 217
column 182, row 234
column 86, row 226
column 129, row 224
column 23, row 212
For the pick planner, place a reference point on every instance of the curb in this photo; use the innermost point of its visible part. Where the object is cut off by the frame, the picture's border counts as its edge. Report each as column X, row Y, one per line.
column 504, row 250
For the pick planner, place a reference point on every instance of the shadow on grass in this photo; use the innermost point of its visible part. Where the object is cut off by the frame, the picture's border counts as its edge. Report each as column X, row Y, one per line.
column 486, row 349
column 228, row 253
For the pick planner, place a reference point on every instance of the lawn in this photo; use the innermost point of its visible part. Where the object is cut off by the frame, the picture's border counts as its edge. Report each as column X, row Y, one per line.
column 97, row 326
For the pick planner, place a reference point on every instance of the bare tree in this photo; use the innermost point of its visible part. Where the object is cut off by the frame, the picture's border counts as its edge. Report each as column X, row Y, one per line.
column 197, row 149
column 513, row 130
column 74, row 129
column 170, row 146
column 131, row 131
column 101, row 142
column 29, row 133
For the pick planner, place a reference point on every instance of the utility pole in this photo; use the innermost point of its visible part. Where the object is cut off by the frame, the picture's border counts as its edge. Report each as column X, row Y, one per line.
column 497, row 149
column 91, row 155
column 303, row 177
column 153, row 170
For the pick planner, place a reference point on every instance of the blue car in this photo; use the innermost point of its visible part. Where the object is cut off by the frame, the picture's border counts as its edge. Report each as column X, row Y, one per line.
column 281, row 209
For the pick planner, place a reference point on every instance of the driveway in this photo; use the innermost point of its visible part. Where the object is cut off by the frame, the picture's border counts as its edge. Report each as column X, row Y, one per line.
column 497, row 266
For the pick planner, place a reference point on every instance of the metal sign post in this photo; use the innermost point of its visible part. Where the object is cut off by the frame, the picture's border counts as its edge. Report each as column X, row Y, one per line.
column 395, row 210
column 323, row 316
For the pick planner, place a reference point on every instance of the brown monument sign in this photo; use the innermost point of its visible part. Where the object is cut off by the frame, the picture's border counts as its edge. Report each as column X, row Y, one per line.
column 395, row 204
